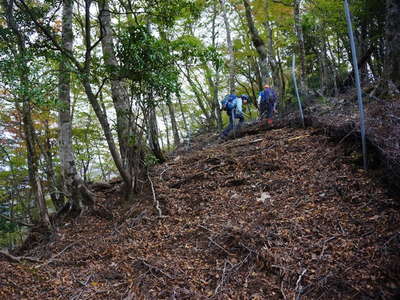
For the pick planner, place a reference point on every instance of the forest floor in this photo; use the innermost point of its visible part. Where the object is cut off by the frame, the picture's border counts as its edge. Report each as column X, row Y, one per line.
column 278, row 214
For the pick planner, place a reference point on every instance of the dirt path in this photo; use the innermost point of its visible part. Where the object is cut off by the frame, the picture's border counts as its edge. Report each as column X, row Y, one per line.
column 284, row 214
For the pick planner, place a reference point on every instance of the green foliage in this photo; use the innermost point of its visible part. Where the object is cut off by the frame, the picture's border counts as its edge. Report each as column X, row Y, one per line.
column 150, row 160
column 190, row 49
column 147, row 61
column 168, row 12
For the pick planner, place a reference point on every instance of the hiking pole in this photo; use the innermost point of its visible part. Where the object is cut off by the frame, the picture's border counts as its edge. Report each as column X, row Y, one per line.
column 358, row 85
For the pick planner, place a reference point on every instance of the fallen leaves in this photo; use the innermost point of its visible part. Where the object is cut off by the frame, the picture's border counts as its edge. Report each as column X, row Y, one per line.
column 268, row 216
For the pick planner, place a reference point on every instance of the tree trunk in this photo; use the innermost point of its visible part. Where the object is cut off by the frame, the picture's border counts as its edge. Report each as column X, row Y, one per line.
column 174, row 125
column 197, row 94
column 56, row 197
column 300, row 41
column 166, row 127
column 183, row 113
column 392, row 43
column 28, row 127
column 72, row 181
column 32, row 157
column 84, row 77
column 258, row 42
column 230, row 49
column 118, row 88
column 153, row 134
column 215, row 82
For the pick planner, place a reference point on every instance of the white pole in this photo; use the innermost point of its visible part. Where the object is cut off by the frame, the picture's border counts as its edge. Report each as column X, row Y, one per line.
column 358, row 85
column 295, row 87
column 233, row 123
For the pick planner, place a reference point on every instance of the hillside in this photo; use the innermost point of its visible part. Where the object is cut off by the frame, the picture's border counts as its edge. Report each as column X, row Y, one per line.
column 279, row 214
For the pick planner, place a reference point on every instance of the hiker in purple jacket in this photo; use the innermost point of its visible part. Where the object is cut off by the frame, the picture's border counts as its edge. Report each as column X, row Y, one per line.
column 267, row 103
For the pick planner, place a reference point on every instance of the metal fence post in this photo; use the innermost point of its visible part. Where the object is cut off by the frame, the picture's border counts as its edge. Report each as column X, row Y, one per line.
column 358, row 85
column 295, row 87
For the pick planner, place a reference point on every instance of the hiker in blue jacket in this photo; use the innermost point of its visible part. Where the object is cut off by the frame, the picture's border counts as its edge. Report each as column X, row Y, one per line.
column 233, row 105
column 267, row 103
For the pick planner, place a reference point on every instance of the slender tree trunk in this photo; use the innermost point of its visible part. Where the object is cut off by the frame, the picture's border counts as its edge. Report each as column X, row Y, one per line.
column 300, row 41
column 213, row 100
column 55, row 195
column 363, row 44
column 128, row 137
column 118, row 88
column 174, row 125
column 32, row 157
column 277, row 80
column 153, row 135
column 258, row 42
column 392, row 45
column 182, row 113
column 75, row 190
column 28, row 126
column 282, row 75
column 232, row 62
column 197, row 94
column 215, row 82
column 152, row 128
column 166, row 127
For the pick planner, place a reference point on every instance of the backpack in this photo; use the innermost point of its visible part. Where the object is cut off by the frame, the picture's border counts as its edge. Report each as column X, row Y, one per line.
column 229, row 102
column 268, row 96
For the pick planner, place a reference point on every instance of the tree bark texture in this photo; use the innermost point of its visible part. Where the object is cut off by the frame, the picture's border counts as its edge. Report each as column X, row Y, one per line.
column 174, row 125
column 392, row 46
column 258, row 42
column 215, row 82
column 166, row 127
column 118, row 88
column 232, row 62
column 300, row 41
column 153, row 134
column 72, row 181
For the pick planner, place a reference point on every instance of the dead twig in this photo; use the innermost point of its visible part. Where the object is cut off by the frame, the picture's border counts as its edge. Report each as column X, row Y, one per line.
column 156, row 202
column 298, row 288
column 56, row 255
column 163, row 172
column 227, row 272
column 19, row 258
column 154, row 268
column 223, row 277
column 219, row 246
column 324, row 246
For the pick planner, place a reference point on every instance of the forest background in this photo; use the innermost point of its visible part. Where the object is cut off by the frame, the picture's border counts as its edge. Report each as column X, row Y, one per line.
column 90, row 90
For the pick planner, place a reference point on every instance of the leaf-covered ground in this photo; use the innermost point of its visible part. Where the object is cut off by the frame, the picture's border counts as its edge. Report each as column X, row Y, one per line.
column 282, row 214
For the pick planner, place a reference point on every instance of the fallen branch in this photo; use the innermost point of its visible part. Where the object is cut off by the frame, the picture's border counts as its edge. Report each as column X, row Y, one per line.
column 298, row 285
column 55, row 256
column 227, row 272
column 324, row 246
column 152, row 267
column 156, row 202
column 18, row 258
column 186, row 180
column 223, row 277
column 163, row 172
column 219, row 246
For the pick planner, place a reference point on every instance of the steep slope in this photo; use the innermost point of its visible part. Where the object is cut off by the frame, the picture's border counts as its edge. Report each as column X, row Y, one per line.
column 280, row 214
